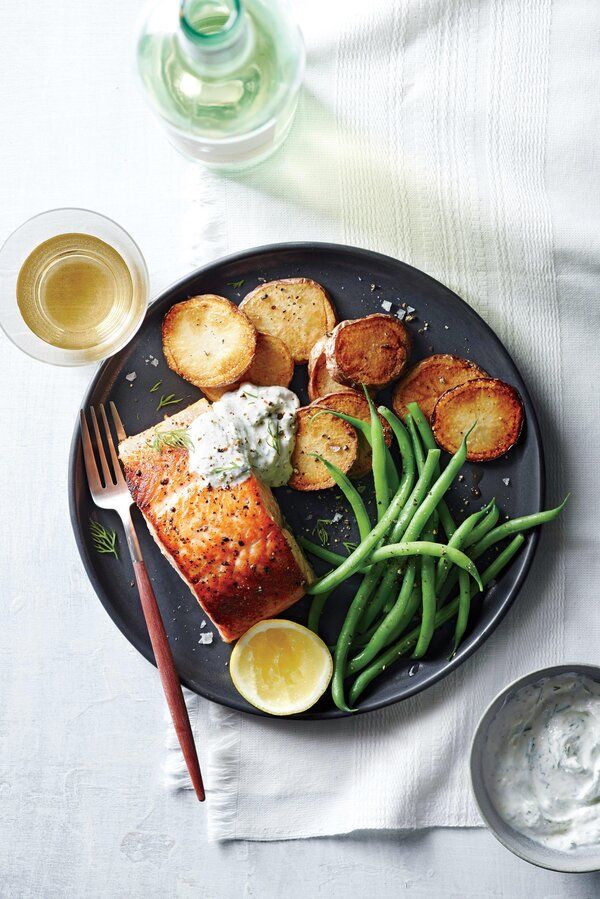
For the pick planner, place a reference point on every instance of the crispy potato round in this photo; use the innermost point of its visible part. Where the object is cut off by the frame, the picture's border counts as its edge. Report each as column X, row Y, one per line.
column 494, row 405
column 373, row 350
column 215, row 393
column 331, row 438
column 320, row 382
column 272, row 365
column 351, row 402
column 297, row 310
column 207, row 340
column 429, row 378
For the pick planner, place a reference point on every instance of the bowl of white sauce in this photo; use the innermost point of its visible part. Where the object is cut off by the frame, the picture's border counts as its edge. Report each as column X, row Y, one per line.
column 535, row 768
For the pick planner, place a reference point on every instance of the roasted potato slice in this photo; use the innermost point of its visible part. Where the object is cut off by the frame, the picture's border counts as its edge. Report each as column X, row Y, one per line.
column 429, row 378
column 494, row 405
column 328, row 436
column 320, row 382
column 373, row 350
column 272, row 365
column 215, row 393
column 207, row 340
column 354, row 403
column 297, row 310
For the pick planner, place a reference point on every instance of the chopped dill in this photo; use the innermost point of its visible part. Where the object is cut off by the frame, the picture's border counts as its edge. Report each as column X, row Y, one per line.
column 168, row 400
column 320, row 530
column 177, row 439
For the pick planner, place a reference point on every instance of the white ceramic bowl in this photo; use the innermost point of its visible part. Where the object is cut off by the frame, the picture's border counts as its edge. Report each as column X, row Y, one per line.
column 581, row 861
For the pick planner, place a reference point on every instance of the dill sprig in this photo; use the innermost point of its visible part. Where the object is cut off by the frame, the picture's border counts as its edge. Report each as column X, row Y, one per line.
column 320, row 530
column 168, row 399
column 349, row 546
column 275, row 441
column 225, row 468
column 155, row 387
column 104, row 539
column 177, row 439
column 236, row 283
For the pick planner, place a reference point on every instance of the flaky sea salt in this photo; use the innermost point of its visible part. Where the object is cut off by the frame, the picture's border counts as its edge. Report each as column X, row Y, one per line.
column 506, row 481
column 206, row 638
column 386, row 305
column 131, row 376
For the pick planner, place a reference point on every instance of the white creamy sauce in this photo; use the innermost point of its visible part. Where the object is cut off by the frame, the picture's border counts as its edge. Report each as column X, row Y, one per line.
column 249, row 429
column 543, row 769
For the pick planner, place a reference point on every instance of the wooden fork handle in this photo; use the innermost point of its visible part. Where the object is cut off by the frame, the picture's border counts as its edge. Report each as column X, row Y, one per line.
column 169, row 676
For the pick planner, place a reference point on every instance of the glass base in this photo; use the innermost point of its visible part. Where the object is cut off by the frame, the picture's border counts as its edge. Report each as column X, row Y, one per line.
column 234, row 155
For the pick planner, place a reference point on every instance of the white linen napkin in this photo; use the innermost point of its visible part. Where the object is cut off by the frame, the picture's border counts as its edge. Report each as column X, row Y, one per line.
column 462, row 138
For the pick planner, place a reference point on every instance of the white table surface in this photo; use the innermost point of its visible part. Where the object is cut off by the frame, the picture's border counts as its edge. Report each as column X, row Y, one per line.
column 83, row 811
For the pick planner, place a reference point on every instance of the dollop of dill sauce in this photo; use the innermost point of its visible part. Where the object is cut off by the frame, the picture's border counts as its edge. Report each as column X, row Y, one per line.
column 543, row 762
column 249, row 429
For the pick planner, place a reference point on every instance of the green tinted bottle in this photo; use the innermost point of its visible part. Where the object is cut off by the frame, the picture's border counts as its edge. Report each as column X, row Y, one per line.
column 223, row 76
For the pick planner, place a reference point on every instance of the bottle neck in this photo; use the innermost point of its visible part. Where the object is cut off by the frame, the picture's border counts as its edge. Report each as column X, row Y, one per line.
column 213, row 33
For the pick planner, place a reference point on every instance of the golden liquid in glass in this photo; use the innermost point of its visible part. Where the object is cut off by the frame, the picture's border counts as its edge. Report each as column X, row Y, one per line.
column 76, row 292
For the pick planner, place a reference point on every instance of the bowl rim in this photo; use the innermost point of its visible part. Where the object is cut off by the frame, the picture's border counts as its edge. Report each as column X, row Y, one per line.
column 572, row 864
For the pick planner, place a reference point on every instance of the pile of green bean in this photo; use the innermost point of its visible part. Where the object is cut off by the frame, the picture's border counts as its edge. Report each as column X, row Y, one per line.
column 407, row 570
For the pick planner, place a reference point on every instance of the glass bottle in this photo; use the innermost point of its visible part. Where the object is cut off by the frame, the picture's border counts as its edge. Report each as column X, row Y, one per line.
column 223, row 76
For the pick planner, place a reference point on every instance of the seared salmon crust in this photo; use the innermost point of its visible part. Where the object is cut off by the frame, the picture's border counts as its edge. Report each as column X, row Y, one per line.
column 229, row 544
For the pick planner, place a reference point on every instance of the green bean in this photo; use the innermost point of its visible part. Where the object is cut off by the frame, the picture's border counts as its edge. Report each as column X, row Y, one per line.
column 464, row 606
column 382, row 495
column 428, row 602
column 483, row 527
column 321, row 552
column 394, row 622
column 400, row 615
column 409, row 445
column 364, row 526
column 438, row 489
column 316, row 610
column 416, row 443
column 459, row 539
column 428, row 607
column 404, row 445
column 421, row 548
column 427, row 548
column 401, row 647
column 365, row 429
column 515, row 526
column 378, row 638
column 344, row 641
column 362, row 552
column 351, row 493
column 428, row 439
column 388, row 581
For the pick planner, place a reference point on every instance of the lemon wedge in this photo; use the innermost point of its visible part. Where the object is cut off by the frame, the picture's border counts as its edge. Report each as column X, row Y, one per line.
column 281, row 667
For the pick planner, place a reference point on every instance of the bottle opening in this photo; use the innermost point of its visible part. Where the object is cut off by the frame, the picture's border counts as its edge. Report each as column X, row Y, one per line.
column 209, row 21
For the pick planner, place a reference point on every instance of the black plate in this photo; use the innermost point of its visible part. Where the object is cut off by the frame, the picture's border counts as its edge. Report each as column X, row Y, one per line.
column 358, row 281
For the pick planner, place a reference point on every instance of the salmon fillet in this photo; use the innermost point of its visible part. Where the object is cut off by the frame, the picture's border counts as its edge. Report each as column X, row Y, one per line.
column 229, row 544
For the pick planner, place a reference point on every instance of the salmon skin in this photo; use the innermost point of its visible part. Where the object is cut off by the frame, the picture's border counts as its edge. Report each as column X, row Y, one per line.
column 229, row 544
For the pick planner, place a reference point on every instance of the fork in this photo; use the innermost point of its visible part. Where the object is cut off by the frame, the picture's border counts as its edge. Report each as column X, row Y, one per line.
column 111, row 492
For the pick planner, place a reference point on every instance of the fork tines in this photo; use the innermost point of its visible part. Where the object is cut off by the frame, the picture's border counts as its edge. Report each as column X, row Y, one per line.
column 111, row 476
